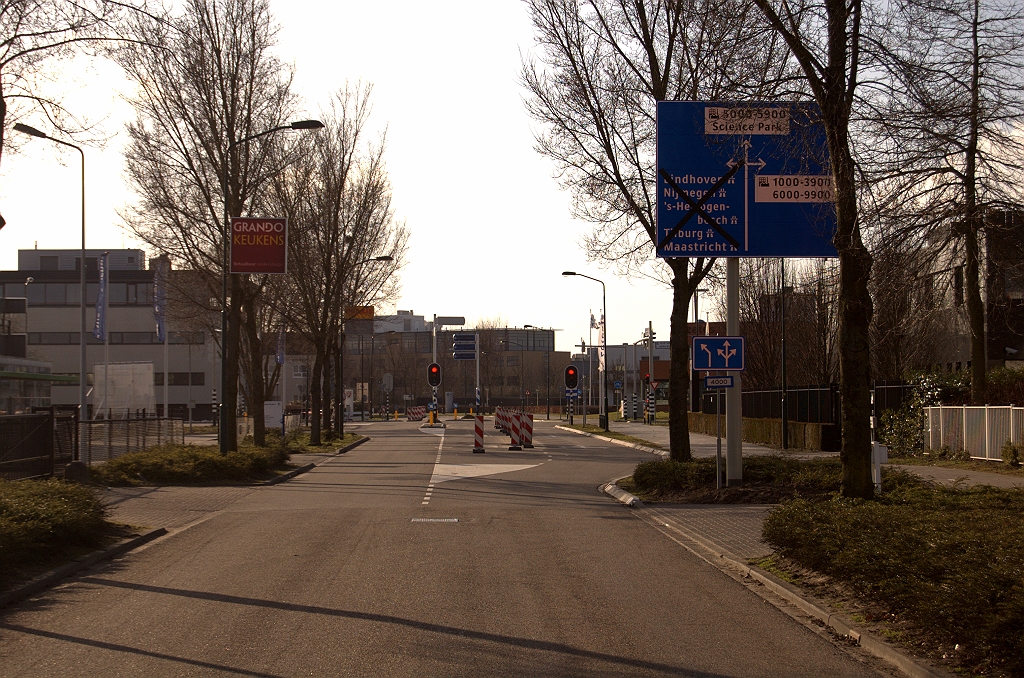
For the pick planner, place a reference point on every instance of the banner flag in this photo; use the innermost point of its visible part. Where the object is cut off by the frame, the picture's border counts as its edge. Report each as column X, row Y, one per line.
column 280, row 347
column 99, row 329
column 162, row 266
column 600, row 350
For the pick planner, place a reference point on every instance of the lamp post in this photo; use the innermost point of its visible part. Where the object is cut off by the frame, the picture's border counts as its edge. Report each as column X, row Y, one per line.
column 83, row 411
column 604, row 344
column 228, row 414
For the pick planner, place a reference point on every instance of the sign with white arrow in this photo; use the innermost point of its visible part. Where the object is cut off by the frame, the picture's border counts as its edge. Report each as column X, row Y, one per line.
column 714, row 354
column 714, row 201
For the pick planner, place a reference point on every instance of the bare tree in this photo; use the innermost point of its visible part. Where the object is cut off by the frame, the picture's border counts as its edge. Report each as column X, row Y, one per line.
column 603, row 65
column 34, row 36
column 337, row 197
column 825, row 38
column 947, row 151
column 206, row 76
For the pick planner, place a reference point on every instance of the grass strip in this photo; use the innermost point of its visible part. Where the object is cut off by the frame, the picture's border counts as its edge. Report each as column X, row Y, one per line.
column 949, row 562
column 963, row 464
column 597, row 430
column 767, row 479
column 44, row 521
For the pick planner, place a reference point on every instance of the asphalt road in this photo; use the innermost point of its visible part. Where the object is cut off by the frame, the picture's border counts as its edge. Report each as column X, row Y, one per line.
column 411, row 556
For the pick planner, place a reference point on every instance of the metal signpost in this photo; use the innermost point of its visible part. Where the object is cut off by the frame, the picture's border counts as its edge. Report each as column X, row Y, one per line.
column 718, row 383
column 707, row 207
column 466, row 346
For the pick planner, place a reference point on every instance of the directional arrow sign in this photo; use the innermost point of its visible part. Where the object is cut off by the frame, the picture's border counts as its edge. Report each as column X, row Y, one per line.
column 743, row 180
column 718, row 354
column 463, row 346
column 464, row 355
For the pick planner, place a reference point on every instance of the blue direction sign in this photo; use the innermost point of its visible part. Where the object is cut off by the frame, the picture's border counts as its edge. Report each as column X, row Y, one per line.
column 743, row 180
column 617, row 385
column 572, row 393
column 464, row 346
column 718, row 382
column 717, row 353
column 431, row 406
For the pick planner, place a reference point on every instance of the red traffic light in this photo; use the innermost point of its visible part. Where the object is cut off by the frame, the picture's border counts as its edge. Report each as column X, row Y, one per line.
column 647, row 378
column 572, row 377
column 434, row 374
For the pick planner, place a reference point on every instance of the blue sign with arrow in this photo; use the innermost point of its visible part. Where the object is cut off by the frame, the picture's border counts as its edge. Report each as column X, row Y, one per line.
column 743, row 180
column 717, row 354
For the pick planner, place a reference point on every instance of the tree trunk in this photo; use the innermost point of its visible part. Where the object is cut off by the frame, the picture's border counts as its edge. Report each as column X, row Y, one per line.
column 975, row 316
column 679, row 368
column 257, row 384
column 973, row 223
column 326, row 386
column 855, row 310
column 230, row 352
column 339, row 377
column 314, row 400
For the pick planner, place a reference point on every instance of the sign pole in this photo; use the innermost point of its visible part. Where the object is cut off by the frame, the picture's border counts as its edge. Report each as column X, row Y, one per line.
column 718, row 455
column 734, row 396
column 477, row 340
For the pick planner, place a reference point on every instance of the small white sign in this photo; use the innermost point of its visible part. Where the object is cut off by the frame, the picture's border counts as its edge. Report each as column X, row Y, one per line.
column 794, row 188
column 273, row 413
column 718, row 382
column 744, row 120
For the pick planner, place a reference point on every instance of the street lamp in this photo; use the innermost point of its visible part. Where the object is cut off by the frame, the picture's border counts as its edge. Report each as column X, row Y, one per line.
column 604, row 344
column 83, row 411
column 225, row 414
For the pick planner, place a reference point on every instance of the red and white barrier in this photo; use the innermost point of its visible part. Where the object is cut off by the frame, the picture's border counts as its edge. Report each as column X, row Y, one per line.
column 416, row 412
column 526, row 429
column 478, row 433
column 516, row 442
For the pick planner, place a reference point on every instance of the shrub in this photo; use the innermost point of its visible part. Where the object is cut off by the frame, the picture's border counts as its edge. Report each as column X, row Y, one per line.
column 41, row 519
column 1012, row 453
column 668, row 476
column 949, row 560
column 189, row 465
column 1005, row 386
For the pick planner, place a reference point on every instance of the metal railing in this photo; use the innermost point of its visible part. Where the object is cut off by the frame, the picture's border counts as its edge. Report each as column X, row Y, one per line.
column 105, row 439
column 979, row 430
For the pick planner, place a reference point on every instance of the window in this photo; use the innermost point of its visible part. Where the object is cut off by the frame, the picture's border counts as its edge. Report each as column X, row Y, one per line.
column 512, row 360
column 117, row 293
column 512, row 381
column 49, row 263
column 179, row 378
column 300, row 371
column 36, row 293
column 408, row 342
column 423, row 344
column 56, row 294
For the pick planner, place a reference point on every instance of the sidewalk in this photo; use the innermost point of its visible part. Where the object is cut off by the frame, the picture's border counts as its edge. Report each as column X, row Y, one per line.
column 703, row 445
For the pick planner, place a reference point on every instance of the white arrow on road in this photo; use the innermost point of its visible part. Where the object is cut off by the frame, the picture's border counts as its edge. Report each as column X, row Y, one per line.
column 446, row 472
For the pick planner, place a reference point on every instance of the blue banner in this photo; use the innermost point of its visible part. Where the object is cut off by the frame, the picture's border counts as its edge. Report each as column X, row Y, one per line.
column 99, row 330
column 162, row 267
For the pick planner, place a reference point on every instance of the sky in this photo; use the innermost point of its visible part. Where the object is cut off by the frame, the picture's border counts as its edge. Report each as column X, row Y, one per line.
column 491, row 230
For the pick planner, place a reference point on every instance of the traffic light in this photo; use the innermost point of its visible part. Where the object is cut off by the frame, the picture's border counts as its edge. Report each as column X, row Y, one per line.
column 434, row 375
column 653, row 335
column 647, row 378
column 572, row 377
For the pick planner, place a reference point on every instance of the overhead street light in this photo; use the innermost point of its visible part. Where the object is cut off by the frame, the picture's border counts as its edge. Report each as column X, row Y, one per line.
column 604, row 343
column 83, row 411
column 227, row 413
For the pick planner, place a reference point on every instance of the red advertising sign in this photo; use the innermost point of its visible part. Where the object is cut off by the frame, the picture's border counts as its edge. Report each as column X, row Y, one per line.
column 259, row 245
